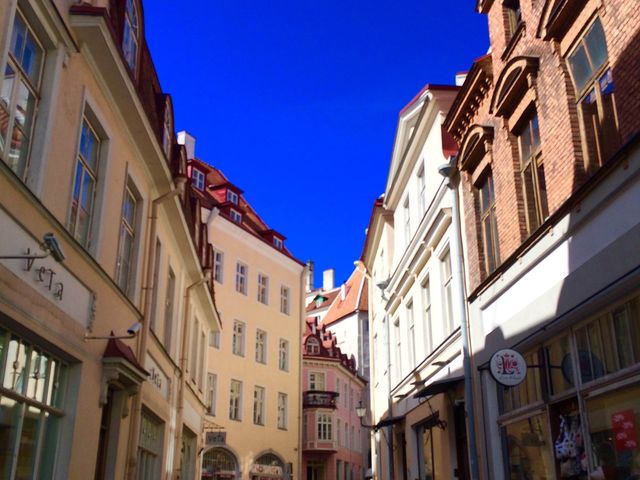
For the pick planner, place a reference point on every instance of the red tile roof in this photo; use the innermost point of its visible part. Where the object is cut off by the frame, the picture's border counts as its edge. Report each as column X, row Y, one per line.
column 116, row 348
column 355, row 298
column 329, row 296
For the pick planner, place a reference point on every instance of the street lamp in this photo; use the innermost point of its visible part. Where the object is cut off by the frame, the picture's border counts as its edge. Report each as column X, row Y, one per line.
column 361, row 411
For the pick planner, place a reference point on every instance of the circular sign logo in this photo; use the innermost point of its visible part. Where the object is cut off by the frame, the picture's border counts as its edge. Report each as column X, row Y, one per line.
column 508, row 367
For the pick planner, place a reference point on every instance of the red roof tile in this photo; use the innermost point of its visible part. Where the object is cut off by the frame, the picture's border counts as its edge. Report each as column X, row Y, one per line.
column 355, row 298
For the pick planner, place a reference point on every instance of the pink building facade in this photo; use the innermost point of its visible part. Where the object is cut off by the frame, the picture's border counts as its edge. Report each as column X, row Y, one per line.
column 333, row 441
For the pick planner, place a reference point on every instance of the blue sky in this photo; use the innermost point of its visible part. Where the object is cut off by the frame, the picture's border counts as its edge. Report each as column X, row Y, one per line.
column 297, row 102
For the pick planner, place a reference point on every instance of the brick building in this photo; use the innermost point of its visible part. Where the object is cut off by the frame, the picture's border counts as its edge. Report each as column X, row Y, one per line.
column 549, row 163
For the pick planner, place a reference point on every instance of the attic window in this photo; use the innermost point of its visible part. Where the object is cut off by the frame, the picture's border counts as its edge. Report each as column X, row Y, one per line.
column 232, row 197
column 198, row 178
column 320, row 300
column 277, row 242
column 235, row 215
column 130, row 35
column 313, row 347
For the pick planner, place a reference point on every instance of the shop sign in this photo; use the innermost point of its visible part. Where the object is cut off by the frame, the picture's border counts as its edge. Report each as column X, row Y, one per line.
column 216, row 438
column 508, row 367
column 624, row 430
column 157, row 377
column 271, row 470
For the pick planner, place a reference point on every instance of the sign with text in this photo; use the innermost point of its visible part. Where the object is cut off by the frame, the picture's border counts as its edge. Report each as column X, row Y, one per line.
column 216, row 438
column 508, row 367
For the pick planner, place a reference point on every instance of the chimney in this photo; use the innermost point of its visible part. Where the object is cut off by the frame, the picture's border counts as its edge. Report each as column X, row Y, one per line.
column 189, row 141
column 460, row 78
column 309, row 281
column 343, row 292
column 327, row 279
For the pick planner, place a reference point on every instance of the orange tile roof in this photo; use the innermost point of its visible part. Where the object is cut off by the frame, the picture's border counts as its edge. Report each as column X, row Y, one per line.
column 356, row 298
column 330, row 297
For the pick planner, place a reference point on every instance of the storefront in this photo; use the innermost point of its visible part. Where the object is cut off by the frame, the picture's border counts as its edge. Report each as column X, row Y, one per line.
column 219, row 464
column 576, row 415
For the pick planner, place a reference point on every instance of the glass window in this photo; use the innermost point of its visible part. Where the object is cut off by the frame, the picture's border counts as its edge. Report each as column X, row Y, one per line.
column 277, row 242
column 283, row 357
column 398, row 341
column 125, row 266
column 426, row 320
column 312, row 346
column 427, row 453
column 514, row 16
column 198, row 178
column 284, row 300
column 529, row 452
column 316, row 381
column 130, row 35
column 406, row 215
column 218, row 461
column 235, row 215
column 214, row 339
column 263, row 288
column 167, row 130
column 282, row 411
column 412, row 335
column 447, row 294
column 155, row 285
column 422, row 194
column 241, row 278
column 193, row 354
column 529, row 391
column 258, row 405
column 212, row 386
column 324, row 426
column 238, row 338
column 150, row 447
column 19, row 95
column 261, row 346
column 534, row 186
column 84, row 184
column 232, row 197
column 490, row 244
column 559, row 365
column 235, row 399
column 168, row 308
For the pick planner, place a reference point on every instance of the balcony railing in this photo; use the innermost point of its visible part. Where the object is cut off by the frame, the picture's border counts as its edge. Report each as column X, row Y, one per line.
column 319, row 399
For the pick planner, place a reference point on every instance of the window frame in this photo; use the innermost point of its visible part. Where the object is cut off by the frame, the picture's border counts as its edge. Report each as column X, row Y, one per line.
column 446, row 281
column 324, row 427
column 283, row 355
column 128, row 283
column 218, row 265
column 212, row 386
column 283, row 411
column 487, row 214
column 261, row 346
column 285, row 297
column 263, row 289
column 198, row 178
column 259, row 396
column 316, row 380
column 242, row 277
column 235, row 216
column 130, row 24
column 238, row 338
column 235, row 400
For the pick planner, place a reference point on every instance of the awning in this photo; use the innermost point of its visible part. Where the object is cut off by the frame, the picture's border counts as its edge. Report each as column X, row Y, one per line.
column 385, row 422
column 440, row 386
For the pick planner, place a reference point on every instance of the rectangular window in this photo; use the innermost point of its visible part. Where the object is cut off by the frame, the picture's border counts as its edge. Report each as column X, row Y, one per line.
column 19, row 94
column 397, row 337
column 85, row 184
column 214, row 339
column 422, row 193
column 235, row 215
column 150, row 447
column 212, row 386
column 168, row 310
column 198, row 178
column 426, row 317
column 589, row 66
column 406, row 215
column 490, row 244
column 316, row 381
column 241, row 278
column 282, row 411
column 324, row 426
column 284, row 300
column 218, row 266
column 156, row 281
column 277, row 242
column 447, row 293
column 534, row 186
column 125, row 265
column 261, row 346
column 235, row 400
column 283, row 355
column 263, row 289
column 237, row 345
column 258, row 405
column 232, row 197
column 339, row 432
column 194, row 350
column 412, row 335
column 514, row 16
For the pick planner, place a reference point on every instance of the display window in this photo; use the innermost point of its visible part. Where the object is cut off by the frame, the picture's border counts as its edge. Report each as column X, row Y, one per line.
column 529, row 452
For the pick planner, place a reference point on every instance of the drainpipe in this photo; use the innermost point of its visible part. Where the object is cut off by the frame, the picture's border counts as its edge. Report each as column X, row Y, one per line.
column 301, row 321
column 183, row 368
column 449, row 172
column 147, row 297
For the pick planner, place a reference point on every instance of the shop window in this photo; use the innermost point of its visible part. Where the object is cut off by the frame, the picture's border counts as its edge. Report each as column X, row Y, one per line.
column 487, row 204
column 150, row 447
column 559, row 365
column 218, row 464
column 19, row 95
column 534, row 186
column 589, row 66
column 529, row 391
column 529, row 455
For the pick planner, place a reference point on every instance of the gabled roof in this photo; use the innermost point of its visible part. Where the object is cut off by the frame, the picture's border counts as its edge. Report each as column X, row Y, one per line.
column 352, row 298
column 329, row 298
column 328, row 346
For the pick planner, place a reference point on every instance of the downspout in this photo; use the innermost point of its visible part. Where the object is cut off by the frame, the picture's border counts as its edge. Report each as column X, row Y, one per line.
column 183, row 368
column 136, row 410
column 301, row 321
column 449, row 172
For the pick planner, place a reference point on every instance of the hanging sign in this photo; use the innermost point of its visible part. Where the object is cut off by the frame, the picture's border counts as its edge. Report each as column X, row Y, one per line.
column 508, row 367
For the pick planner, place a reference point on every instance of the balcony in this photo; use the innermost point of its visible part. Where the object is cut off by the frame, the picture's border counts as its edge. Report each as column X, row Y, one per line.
column 319, row 399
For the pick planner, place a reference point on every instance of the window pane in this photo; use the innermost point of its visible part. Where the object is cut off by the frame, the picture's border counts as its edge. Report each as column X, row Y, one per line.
column 596, row 45
column 580, row 68
column 28, row 443
column 15, row 366
column 560, row 365
column 10, row 413
column 525, row 143
column 529, row 453
column 542, row 191
column 528, row 186
column 18, row 37
column 24, row 107
column 608, row 124
column 32, row 59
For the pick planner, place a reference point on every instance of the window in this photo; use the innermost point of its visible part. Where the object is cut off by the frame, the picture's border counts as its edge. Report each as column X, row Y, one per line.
column 232, row 197
column 218, row 266
column 130, row 35
column 589, row 66
column 258, row 405
column 514, row 16
column 406, row 215
column 422, row 194
column 313, row 346
column 149, row 447
column 212, row 385
column 426, row 308
column 339, row 433
column 168, row 309
column 235, row 215
column 398, row 362
column 532, row 172
column 412, row 335
column 19, row 95
column 316, row 381
column 284, row 299
column 282, row 411
column 324, row 425
column 33, row 385
column 156, row 280
column 277, row 242
column 125, row 266
column 490, row 245
column 235, row 400
column 84, row 184
column 198, row 178
column 261, row 346
column 263, row 289
column 167, row 130
column 447, row 294
column 237, row 345
column 241, row 278
column 214, row 339
column 193, row 354
column 283, row 355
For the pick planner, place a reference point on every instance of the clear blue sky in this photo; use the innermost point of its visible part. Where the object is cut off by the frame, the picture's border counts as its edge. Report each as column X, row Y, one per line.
column 297, row 101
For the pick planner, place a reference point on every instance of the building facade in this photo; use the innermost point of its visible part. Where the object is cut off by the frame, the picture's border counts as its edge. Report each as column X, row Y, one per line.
column 334, row 445
column 549, row 168
column 254, row 400
column 412, row 254
column 111, row 278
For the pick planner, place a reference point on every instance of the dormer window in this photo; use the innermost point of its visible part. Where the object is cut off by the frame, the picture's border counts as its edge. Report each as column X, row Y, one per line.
column 232, row 197
column 197, row 178
column 235, row 215
column 277, row 242
column 313, row 348
column 130, row 35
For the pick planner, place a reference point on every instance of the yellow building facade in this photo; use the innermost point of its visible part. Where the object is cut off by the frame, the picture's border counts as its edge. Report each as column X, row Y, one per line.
column 105, row 287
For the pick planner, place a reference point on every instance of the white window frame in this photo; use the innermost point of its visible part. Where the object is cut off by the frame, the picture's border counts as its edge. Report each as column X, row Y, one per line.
column 263, row 288
column 218, row 266
column 129, row 227
column 411, row 330
column 238, row 338
column 422, row 190
column 324, row 427
column 285, row 296
column 447, row 290
column 258, row 405
column 261, row 346
column 235, row 215
column 232, row 197
column 283, row 411
column 317, row 381
column 214, row 339
column 242, row 276
column 278, row 243
column 212, row 386
column 283, row 355
column 235, row 400
column 198, row 178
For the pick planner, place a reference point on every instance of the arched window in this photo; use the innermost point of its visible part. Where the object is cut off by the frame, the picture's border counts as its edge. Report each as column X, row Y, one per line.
column 269, row 459
column 218, row 461
column 130, row 36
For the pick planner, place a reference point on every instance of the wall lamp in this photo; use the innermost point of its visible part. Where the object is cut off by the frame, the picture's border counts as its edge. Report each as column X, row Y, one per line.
column 132, row 331
column 49, row 245
column 361, row 411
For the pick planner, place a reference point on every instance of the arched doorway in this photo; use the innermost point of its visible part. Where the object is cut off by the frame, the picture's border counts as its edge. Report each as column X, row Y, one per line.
column 219, row 464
